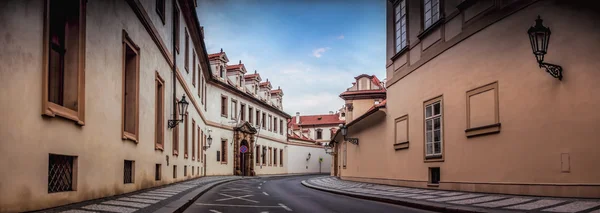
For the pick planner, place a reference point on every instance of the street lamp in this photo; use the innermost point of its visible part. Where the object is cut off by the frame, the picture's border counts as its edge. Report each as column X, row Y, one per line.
column 208, row 141
column 307, row 158
column 345, row 133
column 182, row 106
column 539, row 36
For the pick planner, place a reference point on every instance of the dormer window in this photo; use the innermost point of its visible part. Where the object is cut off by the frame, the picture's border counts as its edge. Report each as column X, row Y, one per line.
column 222, row 72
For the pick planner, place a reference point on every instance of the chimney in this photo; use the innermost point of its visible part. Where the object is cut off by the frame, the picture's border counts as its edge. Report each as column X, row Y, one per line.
column 297, row 117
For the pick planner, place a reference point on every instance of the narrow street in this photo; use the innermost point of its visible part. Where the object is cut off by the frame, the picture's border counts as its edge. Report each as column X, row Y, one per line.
column 282, row 194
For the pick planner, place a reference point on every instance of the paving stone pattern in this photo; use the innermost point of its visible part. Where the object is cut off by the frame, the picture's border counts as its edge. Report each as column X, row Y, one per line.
column 144, row 201
column 487, row 202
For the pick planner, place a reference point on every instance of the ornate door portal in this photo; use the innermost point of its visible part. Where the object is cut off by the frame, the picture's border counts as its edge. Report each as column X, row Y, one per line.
column 244, row 134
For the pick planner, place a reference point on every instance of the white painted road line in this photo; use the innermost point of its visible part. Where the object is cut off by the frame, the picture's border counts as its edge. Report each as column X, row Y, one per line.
column 242, row 206
column 236, row 197
column 265, row 193
column 215, row 211
column 285, row 207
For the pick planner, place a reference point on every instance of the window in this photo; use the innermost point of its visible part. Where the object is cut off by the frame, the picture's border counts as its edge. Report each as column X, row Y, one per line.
column 176, row 132
column 264, row 117
column 186, row 61
column 192, row 171
column 194, row 68
column 157, row 172
column 257, row 154
column 433, row 128
column 270, row 123
column 343, row 114
column 64, row 68
column 319, row 134
column 61, row 172
column 257, row 118
column 185, row 171
column 400, row 25
column 193, row 139
column 160, row 9
column 186, row 128
column 223, row 106
column 234, row 112
column 281, row 126
column 270, row 156
column 204, row 96
column 275, row 157
column 345, row 154
column 250, row 118
column 224, row 151
column 434, row 175
column 264, row 155
column 128, row 171
column 159, row 125
column 222, row 72
column 274, row 124
column 281, row 157
column 218, row 155
column 131, row 80
column 174, row 171
column 431, row 12
column 242, row 112
column 200, row 145
column 176, row 23
column 200, row 84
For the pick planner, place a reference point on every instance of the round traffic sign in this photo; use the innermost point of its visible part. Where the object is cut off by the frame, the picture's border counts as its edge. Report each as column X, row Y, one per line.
column 243, row 149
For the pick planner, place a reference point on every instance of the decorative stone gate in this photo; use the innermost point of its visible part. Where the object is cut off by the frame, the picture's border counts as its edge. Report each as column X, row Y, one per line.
column 244, row 134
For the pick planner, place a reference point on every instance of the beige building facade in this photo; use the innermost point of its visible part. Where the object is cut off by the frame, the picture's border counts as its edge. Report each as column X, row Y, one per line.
column 469, row 108
column 89, row 103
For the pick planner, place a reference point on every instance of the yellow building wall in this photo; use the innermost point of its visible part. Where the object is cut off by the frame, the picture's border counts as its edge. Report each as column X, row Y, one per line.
column 542, row 118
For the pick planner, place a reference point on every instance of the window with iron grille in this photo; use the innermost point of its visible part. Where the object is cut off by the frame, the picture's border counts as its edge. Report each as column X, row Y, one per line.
column 157, row 172
column 128, row 171
column 174, row 171
column 60, row 173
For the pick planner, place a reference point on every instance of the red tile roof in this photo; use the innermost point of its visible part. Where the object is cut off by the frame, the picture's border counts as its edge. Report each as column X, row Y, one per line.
column 266, row 83
column 297, row 137
column 309, row 120
column 237, row 66
column 214, row 55
column 377, row 91
column 251, row 75
column 276, row 91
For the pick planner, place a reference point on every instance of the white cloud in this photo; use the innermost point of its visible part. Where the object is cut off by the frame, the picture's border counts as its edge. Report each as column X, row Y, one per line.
column 319, row 52
column 340, row 37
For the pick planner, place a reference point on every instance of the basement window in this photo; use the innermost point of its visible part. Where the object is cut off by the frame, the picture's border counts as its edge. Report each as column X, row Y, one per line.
column 174, row 171
column 434, row 176
column 157, row 172
column 128, row 171
column 61, row 171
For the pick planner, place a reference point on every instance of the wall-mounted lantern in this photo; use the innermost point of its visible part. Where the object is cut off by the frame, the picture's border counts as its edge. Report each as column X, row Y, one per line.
column 182, row 105
column 328, row 150
column 539, row 36
column 345, row 133
column 308, row 157
column 208, row 140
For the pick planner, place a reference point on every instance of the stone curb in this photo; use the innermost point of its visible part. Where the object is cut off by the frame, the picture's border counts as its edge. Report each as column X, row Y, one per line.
column 186, row 200
column 432, row 206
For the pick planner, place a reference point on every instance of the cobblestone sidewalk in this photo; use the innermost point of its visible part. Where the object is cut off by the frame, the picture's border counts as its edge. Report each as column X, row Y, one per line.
column 143, row 200
column 453, row 201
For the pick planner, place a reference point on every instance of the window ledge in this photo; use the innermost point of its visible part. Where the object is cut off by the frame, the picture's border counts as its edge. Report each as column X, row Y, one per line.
column 53, row 110
column 434, row 158
column 483, row 130
column 401, row 145
column 431, row 28
column 399, row 53
column 159, row 147
column 223, row 162
column 130, row 137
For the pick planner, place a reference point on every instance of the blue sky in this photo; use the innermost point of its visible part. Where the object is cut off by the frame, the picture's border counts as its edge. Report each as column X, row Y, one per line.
column 313, row 49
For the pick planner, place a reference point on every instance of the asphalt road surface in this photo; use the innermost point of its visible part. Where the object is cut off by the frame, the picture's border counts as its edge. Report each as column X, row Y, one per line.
column 282, row 195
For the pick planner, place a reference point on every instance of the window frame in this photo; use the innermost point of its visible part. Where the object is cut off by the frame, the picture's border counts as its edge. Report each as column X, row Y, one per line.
column 258, row 147
column 242, row 112
column 224, row 106
column 281, row 126
column 49, row 108
column 319, row 134
column 186, row 60
column 234, row 109
column 250, row 116
column 159, row 136
column 193, row 140
column 270, row 117
column 281, row 157
column 127, row 42
column 433, row 23
column 433, row 157
column 161, row 9
column 193, row 68
column 406, row 24
column 224, row 151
